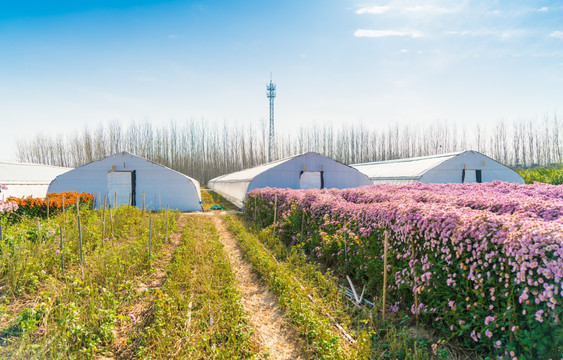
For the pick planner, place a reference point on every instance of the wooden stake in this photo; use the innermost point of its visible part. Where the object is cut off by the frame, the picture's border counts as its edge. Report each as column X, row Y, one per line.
column 150, row 236
column 255, row 208
column 416, row 292
column 275, row 212
column 104, row 218
column 166, row 221
column 61, row 249
column 80, row 243
column 38, row 224
column 111, row 223
column 385, row 249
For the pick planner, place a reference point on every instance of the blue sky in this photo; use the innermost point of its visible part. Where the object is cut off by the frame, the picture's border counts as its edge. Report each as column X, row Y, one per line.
column 66, row 64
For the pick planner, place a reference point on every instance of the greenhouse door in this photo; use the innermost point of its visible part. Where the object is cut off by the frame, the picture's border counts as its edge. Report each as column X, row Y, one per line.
column 470, row 176
column 121, row 186
column 310, row 180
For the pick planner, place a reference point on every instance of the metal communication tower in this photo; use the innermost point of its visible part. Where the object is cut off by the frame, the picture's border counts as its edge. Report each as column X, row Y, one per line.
column 271, row 94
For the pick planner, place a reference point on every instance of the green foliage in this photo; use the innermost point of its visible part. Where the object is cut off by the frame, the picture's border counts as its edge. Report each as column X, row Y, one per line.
column 75, row 314
column 549, row 175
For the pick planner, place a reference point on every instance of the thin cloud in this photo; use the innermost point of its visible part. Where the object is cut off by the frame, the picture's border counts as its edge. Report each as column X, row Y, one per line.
column 556, row 35
column 430, row 9
column 373, row 10
column 385, row 33
column 543, row 9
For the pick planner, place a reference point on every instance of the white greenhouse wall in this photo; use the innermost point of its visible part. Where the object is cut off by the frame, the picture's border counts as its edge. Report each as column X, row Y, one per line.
column 25, row 180
column 162, row 186
column 286, row 174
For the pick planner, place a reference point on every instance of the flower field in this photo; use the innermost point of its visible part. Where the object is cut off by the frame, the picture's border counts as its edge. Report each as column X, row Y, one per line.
column 38, row 207
column 479, row 263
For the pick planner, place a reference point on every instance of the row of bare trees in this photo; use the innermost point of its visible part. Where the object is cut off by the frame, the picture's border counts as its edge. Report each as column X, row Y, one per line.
column 204, row 150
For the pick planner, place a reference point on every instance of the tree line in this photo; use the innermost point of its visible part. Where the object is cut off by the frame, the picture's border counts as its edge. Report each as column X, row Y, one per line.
column 205, row 150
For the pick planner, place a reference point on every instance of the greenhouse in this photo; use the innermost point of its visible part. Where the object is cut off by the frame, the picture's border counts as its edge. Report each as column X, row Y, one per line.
column 23, row 180
column 306, row 171
column 461, row 167
column 129, row 179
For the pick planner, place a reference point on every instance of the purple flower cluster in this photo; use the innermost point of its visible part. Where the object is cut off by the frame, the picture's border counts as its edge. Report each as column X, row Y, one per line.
column 6, row 206
column 483, row 255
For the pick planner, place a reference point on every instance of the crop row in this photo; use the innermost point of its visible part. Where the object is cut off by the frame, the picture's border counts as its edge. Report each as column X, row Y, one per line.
column 493, row 281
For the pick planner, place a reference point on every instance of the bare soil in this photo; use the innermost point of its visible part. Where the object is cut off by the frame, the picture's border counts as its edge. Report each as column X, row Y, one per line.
column 272, row 330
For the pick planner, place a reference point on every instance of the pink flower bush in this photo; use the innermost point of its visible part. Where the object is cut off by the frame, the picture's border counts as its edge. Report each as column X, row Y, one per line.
column 480, row 254
column 6, row 206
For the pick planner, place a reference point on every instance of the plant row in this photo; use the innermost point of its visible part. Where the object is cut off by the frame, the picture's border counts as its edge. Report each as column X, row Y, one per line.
column 51, row 311
column 198, row 313
column 491, row 281
column 15, row 208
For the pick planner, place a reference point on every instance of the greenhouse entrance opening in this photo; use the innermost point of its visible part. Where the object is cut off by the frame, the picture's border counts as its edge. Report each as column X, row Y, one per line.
column 471, row 176
column 310, row 180
column 121, row 188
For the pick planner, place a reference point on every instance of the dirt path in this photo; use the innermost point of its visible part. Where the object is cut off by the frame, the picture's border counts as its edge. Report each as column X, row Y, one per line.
column 271, row 328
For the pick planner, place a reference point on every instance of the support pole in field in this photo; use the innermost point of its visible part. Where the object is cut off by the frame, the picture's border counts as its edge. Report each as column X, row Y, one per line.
column 346, row 251
column 80, row 243
column 416, row 292
column 143, row 203
column 104, row 218
column 78, row 206
column 63, row 209
column 159, row 202
column 47, row 207
column 255, row 209
column 275, row 212
column 111, row 222
column 302, row 224
column 385, row 249
column 167, row 222
column 1, row 234
column 150, row 236
column 61, row 250
column 99, row 200
column 38, row 224
column 115, row 199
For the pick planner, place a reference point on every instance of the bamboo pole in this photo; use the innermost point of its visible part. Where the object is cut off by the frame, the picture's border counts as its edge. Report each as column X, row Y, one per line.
column 63, row 209
column 385, row 251
column 80, row 243
column 275, row 212
column 416, row 292
column 150, row 236
column 111, row 222
column 104, row 218
column 166, row 221
column 61, row 250
column 78, row 206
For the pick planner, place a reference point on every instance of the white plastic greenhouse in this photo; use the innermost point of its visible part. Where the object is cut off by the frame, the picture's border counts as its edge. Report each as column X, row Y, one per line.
column 23, row 180
column 125, row 177
column 307, row 171
column 461, row 167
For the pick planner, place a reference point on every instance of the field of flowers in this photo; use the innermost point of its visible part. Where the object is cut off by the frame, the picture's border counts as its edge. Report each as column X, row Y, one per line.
column 33, row 207
column 479, row 263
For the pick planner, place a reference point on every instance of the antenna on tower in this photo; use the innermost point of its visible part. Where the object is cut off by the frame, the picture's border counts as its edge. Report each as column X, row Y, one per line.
column 271, row 94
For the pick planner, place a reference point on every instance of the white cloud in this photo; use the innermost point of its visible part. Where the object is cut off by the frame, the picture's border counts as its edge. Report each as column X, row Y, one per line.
column 430, row 9
column 385, row 33
column 543, row 9
column 556, row 35
column 373, row 10
column 404, row 51
column 172, row 36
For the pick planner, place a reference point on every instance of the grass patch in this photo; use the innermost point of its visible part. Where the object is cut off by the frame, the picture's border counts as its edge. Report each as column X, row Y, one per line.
column 210, row 198
column 50, row 315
